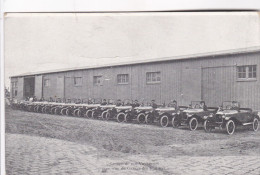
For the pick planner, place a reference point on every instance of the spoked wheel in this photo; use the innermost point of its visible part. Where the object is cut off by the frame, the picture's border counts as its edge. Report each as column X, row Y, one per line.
column 141, row 118
column 94, row 114
column 149, row 119
column 230, row 127
column 255, row 124
column 89, row 113
column 44, row 109
column 128, row 118
column 68, row 112
column 79, row 113
column 175, row 123
column 108, row 115
column 103, row 115
column 207, row 127
column 63, row 111
column 53, row 110
column 74, row 113
column 120, row 117
column 35, row 108
column 164, row 121
column 193, row 124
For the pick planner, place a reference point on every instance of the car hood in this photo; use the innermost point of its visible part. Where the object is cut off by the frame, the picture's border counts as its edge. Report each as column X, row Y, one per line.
column 123, row 107
column 144, row 108
column 193, row 110
column 165, row 109
column 227, row 112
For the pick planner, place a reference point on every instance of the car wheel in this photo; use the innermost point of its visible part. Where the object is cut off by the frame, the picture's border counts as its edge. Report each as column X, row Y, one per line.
column 230, row 127
column 164, row 121
column 193, row 124
column 89, row 114
column 78, row 113
column 128, row 118
column 103, row 115
column 206, row 126
column 149, row 119
column 175, row 123
column 94, row 114
column 67, row 112
column 255, row 124
column 141, row 118
column 120, row 117
column 63, row 111
column 108, row 115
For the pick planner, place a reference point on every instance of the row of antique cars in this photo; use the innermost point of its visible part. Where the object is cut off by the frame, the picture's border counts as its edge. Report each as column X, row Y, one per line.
column 224, row 117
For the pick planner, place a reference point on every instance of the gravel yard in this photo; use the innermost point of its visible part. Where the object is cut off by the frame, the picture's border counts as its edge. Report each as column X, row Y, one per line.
column 113, row 141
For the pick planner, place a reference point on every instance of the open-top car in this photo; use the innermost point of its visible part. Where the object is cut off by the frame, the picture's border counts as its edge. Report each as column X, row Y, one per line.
column 230, row 115
column 101, row 111
column 194, row 115
column 119, row 110
column 163, row 115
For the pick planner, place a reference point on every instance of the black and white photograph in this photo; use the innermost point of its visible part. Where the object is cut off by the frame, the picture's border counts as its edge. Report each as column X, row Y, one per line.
column 132, row 93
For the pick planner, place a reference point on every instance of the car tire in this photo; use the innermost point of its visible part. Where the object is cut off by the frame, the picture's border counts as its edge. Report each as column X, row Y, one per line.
column 164, row 121
column 149, row 119
column 103, row 115
column 128, row 118
column 230, row 127
column 206, row 126
column 120, row 117
column 89, row 113
column 108, row 115
column 141, row 118
column 255, row 124
column 175, row 123
column 193, row 124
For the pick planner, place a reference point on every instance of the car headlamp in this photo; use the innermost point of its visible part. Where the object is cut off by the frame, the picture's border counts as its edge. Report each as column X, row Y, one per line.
column 210, row 115
column 205, row 117
column 178, row 112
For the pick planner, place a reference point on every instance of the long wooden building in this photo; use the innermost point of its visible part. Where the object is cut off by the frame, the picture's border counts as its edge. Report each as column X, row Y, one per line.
column 213, row 77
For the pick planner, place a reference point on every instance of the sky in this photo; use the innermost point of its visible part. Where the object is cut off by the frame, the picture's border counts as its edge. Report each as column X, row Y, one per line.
column 41, row 42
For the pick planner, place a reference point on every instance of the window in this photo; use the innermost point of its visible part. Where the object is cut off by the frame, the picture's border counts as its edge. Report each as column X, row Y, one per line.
column 153, row 77
column 78, row 81
column 46, row 82
column 14, row 84
column 97, row 80
column 122, row 78
column 246, row 72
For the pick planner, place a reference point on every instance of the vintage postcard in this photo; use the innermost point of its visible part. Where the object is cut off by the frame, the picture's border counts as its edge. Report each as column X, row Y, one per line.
column 132, row 93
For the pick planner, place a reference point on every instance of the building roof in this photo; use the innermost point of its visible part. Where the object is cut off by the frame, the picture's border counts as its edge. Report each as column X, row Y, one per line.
column 162, row 59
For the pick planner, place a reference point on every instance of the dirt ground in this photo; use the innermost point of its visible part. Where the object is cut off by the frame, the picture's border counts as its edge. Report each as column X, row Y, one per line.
column 115, row 140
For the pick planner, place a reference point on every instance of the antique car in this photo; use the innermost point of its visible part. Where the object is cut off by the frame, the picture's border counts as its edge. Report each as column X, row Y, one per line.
column 163, row 115
column 143, row 111
column 193, row 116
column 118, row 111
column 89, row 107
column 101, row 111
column 230, row 115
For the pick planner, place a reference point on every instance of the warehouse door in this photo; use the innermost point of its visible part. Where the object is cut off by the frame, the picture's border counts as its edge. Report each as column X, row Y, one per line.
column 29, row 87
column 217, row 84
column 190, row 86
column 60, row 87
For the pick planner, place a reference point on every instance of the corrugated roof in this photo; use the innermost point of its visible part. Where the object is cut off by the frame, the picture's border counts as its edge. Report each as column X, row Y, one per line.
column 180, row 57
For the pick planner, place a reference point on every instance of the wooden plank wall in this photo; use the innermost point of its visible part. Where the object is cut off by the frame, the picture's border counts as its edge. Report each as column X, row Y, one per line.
column 212, row 79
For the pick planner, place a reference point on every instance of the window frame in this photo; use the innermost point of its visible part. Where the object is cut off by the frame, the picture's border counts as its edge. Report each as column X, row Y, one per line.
column 152, row 76
column 97, row 77
column 44, row 82
column 74, row 81
column 247, row 72
column 126, row 78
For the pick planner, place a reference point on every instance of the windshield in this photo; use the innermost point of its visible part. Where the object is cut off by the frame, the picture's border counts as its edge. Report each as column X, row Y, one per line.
column 195, row 105
column 229, row 105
